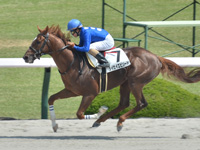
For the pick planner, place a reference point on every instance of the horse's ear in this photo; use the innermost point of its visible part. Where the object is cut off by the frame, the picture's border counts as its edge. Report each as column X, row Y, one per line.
column 47, row 28
column 39, row 29
column 43, row 31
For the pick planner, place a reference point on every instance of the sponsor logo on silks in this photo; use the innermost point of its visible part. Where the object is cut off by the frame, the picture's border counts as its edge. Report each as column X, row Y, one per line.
column 119, row 65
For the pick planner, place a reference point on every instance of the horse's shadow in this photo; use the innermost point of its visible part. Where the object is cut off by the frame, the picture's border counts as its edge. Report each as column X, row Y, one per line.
column 80, row 137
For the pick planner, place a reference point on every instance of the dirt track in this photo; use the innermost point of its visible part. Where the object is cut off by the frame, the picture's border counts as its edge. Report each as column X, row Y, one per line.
column 138, row 134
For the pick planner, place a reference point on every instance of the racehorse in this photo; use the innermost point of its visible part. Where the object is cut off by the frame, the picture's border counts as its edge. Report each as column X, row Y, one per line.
column 145, row 66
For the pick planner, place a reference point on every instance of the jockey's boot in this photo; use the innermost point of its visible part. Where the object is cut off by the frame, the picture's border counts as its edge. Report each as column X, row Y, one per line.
column 102, row 60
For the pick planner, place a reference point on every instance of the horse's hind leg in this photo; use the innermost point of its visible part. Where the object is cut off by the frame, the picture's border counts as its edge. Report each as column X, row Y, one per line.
column 102, row 110
column 86, row 101
column 124, row 103
column 141, row 103
column 60, row 95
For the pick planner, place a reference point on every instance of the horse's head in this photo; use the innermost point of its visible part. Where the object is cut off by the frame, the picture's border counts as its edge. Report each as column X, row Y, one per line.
column 38, row 47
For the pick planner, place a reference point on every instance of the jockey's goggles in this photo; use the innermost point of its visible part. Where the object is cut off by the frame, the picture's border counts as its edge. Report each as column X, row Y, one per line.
column 73, row 31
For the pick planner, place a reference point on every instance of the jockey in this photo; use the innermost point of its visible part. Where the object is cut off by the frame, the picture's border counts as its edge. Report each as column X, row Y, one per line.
column 92, row 40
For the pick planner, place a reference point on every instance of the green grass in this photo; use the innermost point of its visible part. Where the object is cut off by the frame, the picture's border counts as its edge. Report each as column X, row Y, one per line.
column 20, row 88
column 20, row 94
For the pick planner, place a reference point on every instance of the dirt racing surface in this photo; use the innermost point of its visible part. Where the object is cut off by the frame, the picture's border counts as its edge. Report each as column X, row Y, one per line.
column 138, row 134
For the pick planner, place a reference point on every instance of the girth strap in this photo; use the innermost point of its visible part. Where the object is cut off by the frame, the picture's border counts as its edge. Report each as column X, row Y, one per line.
column 103, row 81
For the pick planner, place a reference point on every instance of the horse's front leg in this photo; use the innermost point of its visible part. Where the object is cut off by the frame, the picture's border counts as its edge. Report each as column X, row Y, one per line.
column 60, row 95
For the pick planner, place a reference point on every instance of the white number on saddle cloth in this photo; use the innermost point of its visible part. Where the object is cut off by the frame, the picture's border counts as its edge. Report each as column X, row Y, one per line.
column 116, row 57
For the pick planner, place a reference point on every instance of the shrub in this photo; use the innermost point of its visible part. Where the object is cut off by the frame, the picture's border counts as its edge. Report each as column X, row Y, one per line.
column 165, row 99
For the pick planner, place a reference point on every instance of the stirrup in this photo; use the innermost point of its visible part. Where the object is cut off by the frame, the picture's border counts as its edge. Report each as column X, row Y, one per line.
column 104, row 65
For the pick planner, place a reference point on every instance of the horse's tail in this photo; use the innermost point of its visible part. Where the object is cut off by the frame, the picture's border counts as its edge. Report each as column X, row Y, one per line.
column 172, row 69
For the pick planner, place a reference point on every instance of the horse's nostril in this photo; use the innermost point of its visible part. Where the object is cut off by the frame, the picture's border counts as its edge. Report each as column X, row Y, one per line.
column 25, row 58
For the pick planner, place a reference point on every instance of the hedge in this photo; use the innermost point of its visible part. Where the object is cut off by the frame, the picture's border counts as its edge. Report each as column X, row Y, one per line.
column 165, row 99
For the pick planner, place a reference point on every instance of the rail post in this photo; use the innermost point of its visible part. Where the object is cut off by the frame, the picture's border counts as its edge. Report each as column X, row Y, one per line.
column 194, row 28
column 45, row 88
column 103, row 14
column 124, row 20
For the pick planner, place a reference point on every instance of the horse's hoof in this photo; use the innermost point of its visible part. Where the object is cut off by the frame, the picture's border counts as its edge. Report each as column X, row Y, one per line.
column 55, row 128
column 96, row 124
column 119, row 128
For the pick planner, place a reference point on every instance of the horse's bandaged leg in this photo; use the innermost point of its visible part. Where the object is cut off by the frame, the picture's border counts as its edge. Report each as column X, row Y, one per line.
column 53, row 116
column 102, row 110
column 95, row 116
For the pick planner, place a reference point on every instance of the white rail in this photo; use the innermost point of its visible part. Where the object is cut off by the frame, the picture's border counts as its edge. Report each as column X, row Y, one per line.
column 186, row 61
column 20, row 63
column 48, row 62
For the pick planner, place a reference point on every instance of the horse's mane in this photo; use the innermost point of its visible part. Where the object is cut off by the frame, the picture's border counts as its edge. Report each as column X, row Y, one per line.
column 55, row 30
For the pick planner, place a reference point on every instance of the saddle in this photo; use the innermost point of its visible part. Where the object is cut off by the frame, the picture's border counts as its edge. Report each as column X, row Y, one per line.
column 117, row 59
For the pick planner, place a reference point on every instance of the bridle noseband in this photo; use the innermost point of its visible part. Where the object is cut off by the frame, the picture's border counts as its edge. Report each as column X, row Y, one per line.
column 39, row 53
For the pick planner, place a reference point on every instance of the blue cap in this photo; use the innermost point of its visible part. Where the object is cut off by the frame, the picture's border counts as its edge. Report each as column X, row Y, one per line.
column 73, row 24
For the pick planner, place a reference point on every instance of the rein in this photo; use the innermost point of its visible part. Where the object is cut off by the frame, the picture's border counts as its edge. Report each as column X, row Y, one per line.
column 63, row 73
column 39, row 53
column 79, row 56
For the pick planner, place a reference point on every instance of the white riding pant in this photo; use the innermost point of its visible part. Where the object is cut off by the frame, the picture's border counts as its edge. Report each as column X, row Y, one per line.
column 106, row 44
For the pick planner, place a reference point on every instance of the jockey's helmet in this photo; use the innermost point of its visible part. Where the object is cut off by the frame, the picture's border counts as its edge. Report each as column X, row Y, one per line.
column 73, row 24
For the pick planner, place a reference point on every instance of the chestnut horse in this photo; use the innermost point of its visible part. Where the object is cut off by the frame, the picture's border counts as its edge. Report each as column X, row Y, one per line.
column 145, row 66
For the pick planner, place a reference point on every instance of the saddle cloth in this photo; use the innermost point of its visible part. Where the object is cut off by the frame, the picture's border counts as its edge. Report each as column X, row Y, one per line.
column 116, row 57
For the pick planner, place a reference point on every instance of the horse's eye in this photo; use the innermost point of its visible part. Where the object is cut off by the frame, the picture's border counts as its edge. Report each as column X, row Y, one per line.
column 37, row 42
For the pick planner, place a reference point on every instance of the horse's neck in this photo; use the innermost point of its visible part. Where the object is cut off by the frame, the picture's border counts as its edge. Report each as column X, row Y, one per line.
column 63, row 59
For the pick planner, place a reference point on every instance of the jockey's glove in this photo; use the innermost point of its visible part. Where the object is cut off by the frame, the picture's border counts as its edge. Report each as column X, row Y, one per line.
column 71, row 44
